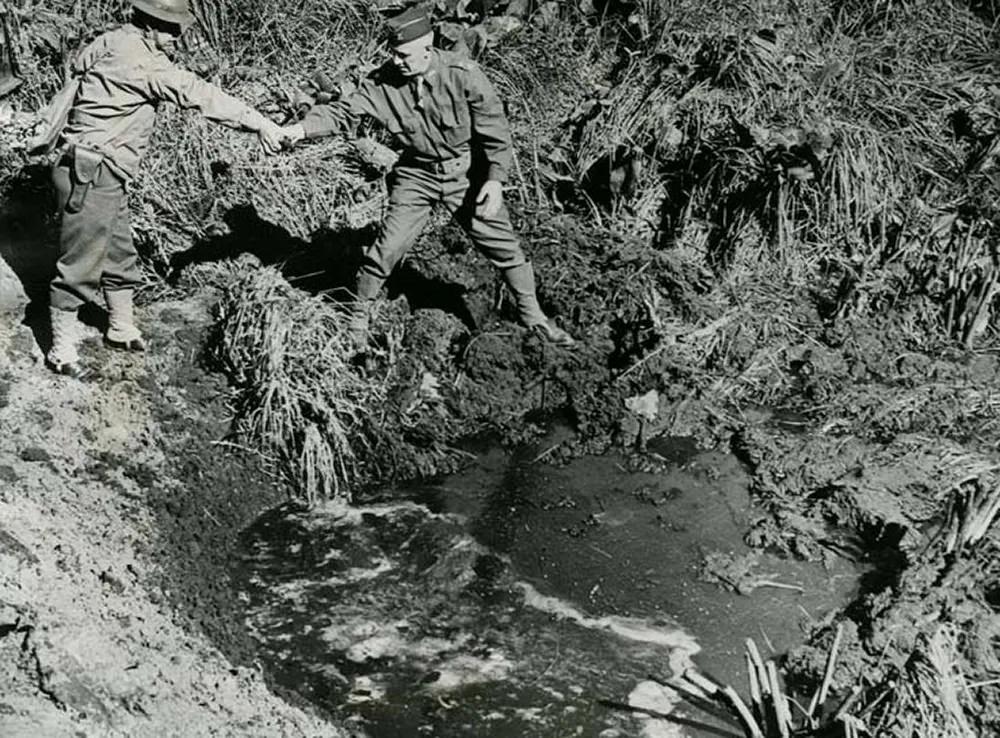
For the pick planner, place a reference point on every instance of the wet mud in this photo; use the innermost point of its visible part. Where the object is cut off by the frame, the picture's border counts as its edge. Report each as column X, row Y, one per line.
column 518, row 599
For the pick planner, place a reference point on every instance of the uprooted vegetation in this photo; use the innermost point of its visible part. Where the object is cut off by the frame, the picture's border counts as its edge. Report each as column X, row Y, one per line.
column 779, row 204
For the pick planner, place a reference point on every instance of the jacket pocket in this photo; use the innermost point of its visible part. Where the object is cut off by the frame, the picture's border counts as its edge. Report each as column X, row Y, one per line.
column 453, row 123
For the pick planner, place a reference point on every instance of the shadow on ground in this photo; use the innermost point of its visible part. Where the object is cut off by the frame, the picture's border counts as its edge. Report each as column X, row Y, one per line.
column 327, row 264
column 29, row 245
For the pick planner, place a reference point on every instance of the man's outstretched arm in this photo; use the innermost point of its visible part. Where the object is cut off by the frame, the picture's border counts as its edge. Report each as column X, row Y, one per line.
column 187, row 90
column 336, row 118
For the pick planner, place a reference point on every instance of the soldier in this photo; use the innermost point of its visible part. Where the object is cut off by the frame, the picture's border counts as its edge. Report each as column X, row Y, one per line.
column 446, row 115
column 122, row 76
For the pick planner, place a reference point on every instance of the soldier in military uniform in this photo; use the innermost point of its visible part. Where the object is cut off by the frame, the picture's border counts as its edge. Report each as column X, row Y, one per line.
column 446, row 115
column 123, row 77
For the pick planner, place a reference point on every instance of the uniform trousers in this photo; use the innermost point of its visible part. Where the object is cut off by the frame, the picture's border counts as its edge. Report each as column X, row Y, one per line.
column 95, row 243
column 413, row 193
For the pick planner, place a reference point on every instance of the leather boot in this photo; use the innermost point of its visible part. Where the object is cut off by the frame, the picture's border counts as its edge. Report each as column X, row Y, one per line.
column 365, row 293
column 63, row 356
column 521, row 281
column 122, row 331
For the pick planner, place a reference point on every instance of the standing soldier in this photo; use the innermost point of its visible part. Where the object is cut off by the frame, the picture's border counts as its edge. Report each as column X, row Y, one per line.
column 445, row 113
column 121, row 79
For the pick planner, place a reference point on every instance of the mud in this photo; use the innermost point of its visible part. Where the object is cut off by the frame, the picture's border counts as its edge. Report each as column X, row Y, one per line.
column 516, row 599
column 858, row 420
column 119, row 507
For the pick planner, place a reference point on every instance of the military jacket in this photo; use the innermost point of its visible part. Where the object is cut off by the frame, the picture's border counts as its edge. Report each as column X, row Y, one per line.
column 123, row 79
column 450, row 110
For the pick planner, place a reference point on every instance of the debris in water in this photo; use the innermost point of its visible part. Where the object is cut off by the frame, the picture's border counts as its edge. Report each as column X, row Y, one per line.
column 737, row 574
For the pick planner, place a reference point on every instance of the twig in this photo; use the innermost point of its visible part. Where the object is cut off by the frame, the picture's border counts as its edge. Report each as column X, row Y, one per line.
column 755, row 697
column 778, row 585
column 767, row 640
column 987, row 683
column 211, row 517
column 820, row 696
column 985, row 520
column 545, row 453
column 602, row 552
column 848, row 702
column 702, row 682
column 749, row 723
column 753, row 656
column 781, row 714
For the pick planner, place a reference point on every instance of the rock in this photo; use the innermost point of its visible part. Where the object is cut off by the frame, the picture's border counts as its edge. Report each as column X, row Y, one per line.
column 10, row 546
column 112, row 581
column 12, row 293
column 65, row 681
column 35, row 453
column 646, row 406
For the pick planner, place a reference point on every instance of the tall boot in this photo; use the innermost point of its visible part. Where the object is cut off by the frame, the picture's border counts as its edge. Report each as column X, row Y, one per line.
column 122, row 331
column 63, row 357
column 368, row 287
column 521, row 281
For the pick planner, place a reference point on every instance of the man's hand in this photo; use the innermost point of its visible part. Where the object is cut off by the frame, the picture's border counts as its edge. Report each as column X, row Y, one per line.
column 490, row 199
column 291, row 135
column 270, row 137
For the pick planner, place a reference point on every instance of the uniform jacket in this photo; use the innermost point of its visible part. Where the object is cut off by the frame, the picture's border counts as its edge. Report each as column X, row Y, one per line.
column 123, row 79
column 449, row 111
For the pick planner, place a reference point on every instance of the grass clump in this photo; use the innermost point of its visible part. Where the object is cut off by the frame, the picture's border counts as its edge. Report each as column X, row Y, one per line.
column 297, row 395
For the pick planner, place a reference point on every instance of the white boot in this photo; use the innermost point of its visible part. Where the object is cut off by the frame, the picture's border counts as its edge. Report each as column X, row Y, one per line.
column 122, row 331
column 63, row 356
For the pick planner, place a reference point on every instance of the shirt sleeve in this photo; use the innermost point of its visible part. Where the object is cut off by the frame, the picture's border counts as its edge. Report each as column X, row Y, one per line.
column 343, row 115
column 181, row 87
column 490, row 128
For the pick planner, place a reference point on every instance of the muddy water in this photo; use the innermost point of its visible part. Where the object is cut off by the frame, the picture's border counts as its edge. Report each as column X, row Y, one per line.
column 518, row 600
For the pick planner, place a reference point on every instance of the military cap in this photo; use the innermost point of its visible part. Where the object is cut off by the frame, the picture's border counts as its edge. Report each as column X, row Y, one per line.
column 411, row 24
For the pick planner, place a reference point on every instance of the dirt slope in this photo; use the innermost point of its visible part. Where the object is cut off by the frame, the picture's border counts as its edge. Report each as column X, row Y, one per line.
column 117, row 511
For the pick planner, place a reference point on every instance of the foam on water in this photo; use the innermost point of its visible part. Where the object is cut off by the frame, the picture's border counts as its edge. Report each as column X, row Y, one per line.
column 340, row 514
column 680, row 644
column 656, row 698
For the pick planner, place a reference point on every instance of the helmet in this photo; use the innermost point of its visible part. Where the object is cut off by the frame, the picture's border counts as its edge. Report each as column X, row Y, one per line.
column 171, row 11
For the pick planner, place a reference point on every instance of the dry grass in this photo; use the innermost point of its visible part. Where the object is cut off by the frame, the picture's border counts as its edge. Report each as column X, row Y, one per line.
column 298, row 398
column 201, row 171
column 828, row 144
column 933, row 698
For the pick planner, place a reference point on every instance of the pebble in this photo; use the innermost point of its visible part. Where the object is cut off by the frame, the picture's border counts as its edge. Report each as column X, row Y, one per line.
column 35, row 453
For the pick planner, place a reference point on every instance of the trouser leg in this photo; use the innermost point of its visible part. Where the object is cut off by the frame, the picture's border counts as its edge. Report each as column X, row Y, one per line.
column 85, row 237
column 411, row 198
column 412, row 195
column 119, row 280
column 494, row 237
column 121, row 265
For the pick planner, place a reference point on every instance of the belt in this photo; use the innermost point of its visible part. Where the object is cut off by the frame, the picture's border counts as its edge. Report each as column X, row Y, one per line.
column 67, row 157
column 460, row 163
